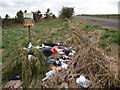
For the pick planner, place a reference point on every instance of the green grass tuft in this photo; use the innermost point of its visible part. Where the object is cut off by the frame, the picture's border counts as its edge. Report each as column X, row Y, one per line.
column 90, row 27
column 114, row 35
column 102, row 44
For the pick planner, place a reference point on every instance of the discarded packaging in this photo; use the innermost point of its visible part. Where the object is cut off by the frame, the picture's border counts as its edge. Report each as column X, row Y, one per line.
column 83, row 82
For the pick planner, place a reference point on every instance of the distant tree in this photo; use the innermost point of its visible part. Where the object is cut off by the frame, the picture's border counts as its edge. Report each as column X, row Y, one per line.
column 7, row 16
column 66, row 12
column 48, row 14
column 25, row 11
column 20, row 17
column 53, row 16
column 37, row 16
column 6, row 21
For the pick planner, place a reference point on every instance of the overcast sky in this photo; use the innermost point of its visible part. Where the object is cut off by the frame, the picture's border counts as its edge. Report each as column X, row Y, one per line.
column 10, row 7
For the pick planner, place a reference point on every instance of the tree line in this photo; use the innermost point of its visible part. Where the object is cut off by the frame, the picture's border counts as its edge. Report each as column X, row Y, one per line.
column 66, row 12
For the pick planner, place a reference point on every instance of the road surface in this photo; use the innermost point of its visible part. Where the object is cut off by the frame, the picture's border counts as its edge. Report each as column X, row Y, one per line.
column 106, row 22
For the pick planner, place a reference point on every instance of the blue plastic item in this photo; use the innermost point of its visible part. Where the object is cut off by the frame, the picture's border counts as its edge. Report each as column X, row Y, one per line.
column 51, row 60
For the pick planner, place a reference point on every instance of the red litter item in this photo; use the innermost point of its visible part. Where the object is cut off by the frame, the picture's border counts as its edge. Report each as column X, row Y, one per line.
column 54, row 51
column 62, row 48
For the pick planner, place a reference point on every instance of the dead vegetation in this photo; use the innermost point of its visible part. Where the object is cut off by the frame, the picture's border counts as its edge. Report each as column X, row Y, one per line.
column 89, row 61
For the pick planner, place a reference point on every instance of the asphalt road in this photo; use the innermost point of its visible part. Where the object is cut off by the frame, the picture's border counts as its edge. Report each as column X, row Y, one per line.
column 106, row 22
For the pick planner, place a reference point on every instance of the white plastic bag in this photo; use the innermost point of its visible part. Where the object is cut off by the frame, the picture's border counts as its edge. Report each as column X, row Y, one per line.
column 82, row 81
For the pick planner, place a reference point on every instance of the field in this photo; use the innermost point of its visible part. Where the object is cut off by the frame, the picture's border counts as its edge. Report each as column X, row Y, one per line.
column 115, row 16
column 47, row 31
column 16, row 38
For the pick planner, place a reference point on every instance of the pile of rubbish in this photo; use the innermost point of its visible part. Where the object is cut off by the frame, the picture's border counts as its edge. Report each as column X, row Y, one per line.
column 85, row 69
column 62, row 61
column 59, row 63
column 59, row 59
